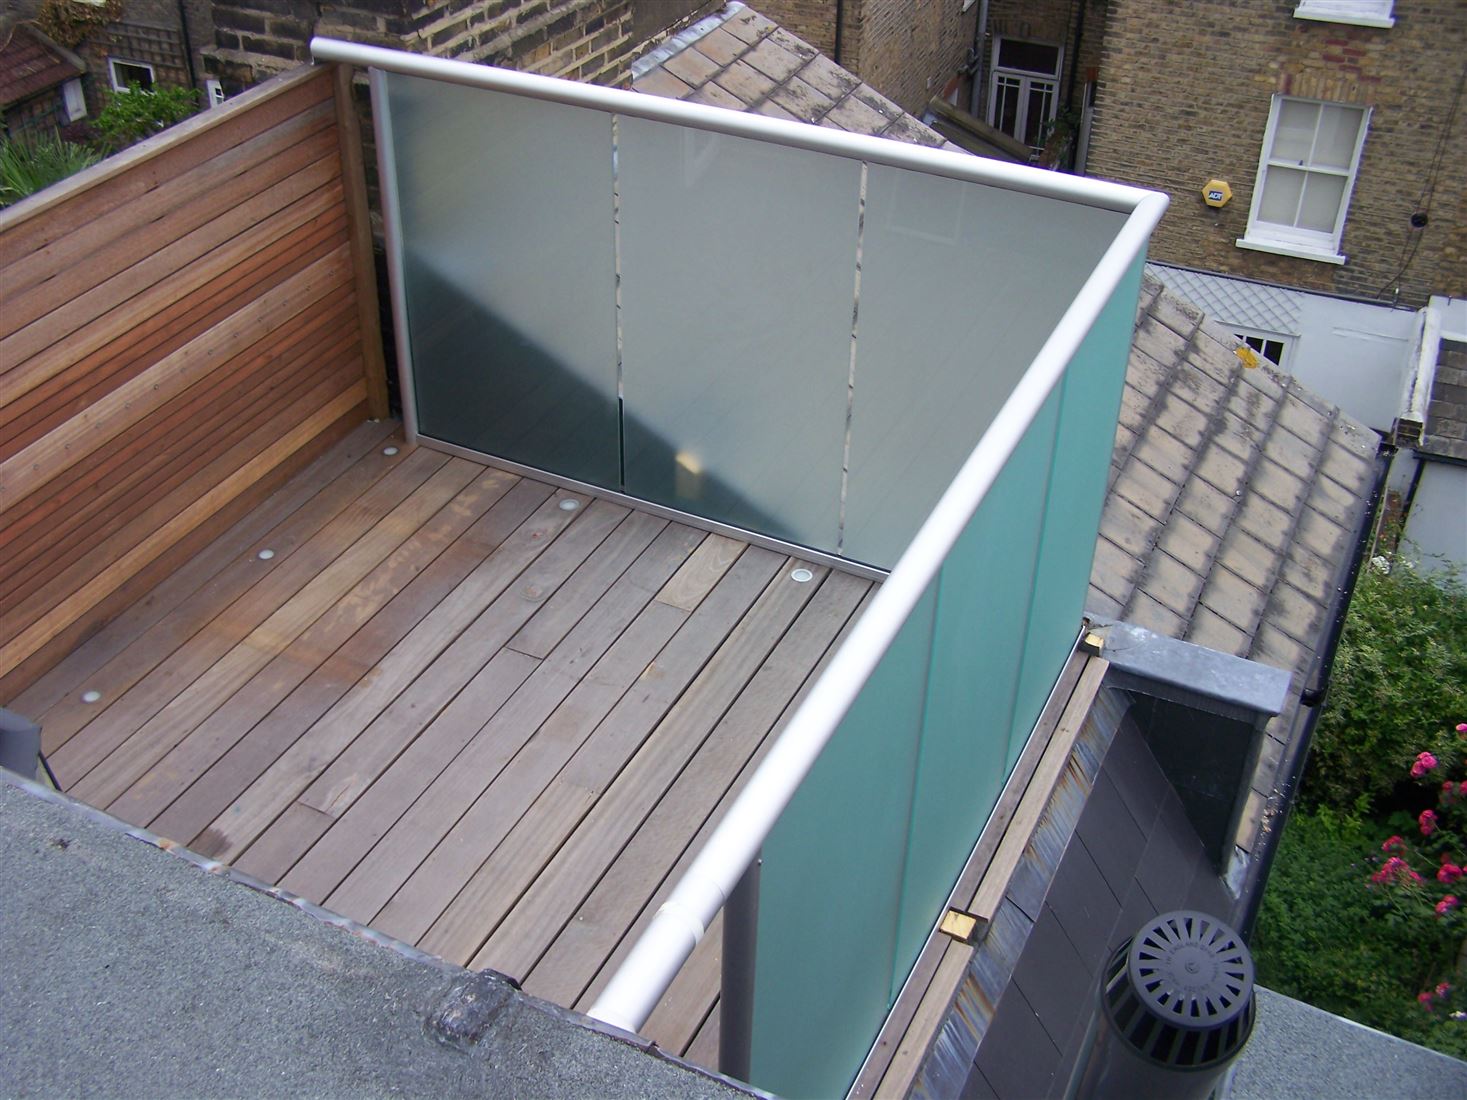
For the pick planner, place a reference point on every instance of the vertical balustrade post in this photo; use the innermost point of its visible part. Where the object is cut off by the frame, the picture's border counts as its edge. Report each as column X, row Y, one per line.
column 736, row 996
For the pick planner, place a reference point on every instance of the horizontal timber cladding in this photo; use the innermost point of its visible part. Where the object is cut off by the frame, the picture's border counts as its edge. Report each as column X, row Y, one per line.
column 181, row 328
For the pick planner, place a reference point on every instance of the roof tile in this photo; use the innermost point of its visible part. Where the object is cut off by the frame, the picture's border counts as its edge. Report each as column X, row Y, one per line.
column 746, row 82
column 1248, row 558
column 851, row 114
column 1278, row 485
column 691, row 67
column 1212, row 630
column 1234, row 598
column 1164, row 453
column 1128, row 526
column 1222, row 469
column 803, row 101
column 721, row 46
column 773, row 60
column 1189, row 542
column 1182, row 420
column 1150, row 614
column 1208, row 506
column 1172, row 584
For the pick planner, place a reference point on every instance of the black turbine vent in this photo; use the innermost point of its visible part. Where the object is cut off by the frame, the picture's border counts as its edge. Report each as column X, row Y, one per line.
column 1180, row 991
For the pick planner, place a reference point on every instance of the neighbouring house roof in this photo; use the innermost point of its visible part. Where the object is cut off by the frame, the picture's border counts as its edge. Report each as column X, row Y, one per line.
column 1235, row 300
column 30, row 63
column 1235, row 494
column 1446, row 417
column 745, row 62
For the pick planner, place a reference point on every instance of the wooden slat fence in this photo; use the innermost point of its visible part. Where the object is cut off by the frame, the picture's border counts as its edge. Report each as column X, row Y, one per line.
column 181, row 328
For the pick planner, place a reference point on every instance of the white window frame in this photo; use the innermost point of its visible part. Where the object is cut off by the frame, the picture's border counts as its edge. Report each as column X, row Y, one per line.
column 120, row 85
column 73, row 99
column 1286, row 354
column 1361, row 13
column 1307, row 244
column 1026, row 77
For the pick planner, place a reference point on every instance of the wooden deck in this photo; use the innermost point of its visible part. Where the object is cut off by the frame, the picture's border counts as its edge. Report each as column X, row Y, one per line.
column 482, row 714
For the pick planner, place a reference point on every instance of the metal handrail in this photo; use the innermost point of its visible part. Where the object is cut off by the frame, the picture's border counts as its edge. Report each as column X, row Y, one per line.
column 682, row 921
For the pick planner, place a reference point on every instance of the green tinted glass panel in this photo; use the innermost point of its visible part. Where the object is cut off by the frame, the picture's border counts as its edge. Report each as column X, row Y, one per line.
column 1091, row 403
column 983, row 608
column 829, row 891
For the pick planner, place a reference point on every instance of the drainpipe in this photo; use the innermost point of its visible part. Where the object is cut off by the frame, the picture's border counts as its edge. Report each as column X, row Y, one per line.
column 840, row 18
column 1312, row 700
column 188, row 45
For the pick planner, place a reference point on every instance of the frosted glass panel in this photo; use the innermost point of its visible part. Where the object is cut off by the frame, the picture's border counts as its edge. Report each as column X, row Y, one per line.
column 1089, row 405
column 830, row 887
column 983, row 610
column 738, row 276
column 506, row 220
column 960, row 287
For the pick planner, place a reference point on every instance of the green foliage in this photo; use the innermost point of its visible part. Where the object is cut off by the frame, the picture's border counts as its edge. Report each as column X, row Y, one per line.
column 137, row 113
column 27, row 165
column 1401, row 666
column 1325, row 937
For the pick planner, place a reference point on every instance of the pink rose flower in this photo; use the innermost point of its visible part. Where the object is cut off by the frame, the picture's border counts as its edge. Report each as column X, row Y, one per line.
column 1424, row 998
column 1449, row 873
column 1425, row 762
column 1462, row 728
column 1428, row 822
column 1446, row 905
column 1394, row 844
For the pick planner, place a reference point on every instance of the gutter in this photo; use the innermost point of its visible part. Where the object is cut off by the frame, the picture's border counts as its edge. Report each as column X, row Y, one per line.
column 1311, row 700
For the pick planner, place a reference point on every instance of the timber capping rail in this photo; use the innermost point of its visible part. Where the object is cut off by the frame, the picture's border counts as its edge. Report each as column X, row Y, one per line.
column 182, row 326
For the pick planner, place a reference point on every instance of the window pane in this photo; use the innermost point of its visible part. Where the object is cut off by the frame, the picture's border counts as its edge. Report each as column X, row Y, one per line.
column 1006, row 105
column 1294, row 135
column 1281, row 190
column 1040, row 94
column 1338, row 129
column 1321, row 205
column 1030, row 56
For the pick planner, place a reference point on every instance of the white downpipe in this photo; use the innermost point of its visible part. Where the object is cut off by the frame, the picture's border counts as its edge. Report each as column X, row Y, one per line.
column 683, row 920
column 800, row 135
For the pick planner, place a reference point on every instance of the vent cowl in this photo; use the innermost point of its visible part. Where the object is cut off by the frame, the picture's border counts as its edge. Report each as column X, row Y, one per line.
column 1179, row 993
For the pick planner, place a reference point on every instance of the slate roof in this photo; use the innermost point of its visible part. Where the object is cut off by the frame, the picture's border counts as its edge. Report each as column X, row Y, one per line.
column 1446, row 417
column 1235, row 494
column 30, row 63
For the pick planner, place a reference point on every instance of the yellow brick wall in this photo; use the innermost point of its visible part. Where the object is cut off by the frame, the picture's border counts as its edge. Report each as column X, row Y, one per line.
column 1185, row 88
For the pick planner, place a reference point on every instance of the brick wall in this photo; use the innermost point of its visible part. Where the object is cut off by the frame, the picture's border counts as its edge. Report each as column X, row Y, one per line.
column 588, row 40
column 1055, row 23
column 911, row 49
column 908, row 50
column 1184, row 96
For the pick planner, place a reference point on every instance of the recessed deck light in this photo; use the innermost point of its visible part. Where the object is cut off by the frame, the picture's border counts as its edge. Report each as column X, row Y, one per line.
column 266, row 554
column 569, row 505
column 91, row 696
column 800, row 576
column 389, row 450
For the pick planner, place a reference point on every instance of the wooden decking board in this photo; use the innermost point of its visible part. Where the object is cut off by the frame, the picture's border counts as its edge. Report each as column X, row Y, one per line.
column 248, row 759
column 453, row 709
column 483, row 760
column 573, row 959
column 202, row 747
column 205, row 580
column 367, row 811
column 124, row 715
column 185, row 711
column 132, row 645
column 452, row 621
column 381, row 743
column 493, row 887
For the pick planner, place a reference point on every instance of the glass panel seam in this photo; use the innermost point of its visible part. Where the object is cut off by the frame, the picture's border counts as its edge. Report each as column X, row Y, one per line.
column 621, row 413
column 845, row 459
